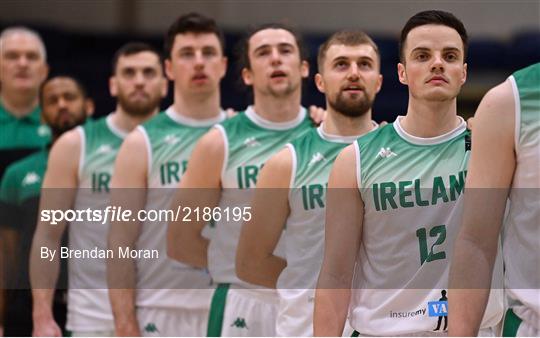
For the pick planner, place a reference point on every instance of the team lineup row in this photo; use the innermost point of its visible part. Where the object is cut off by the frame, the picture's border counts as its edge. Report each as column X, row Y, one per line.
column 353, row 226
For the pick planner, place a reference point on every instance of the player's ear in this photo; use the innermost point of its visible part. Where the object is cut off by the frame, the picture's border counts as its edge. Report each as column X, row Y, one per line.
column 304, row 69
column 113, row 86
column 89, row 107
column 319, row 83
column 379, row 83
column 402, row 74
column 168, row 69
column 464, row 75
column 247, row 76
column 224, row 63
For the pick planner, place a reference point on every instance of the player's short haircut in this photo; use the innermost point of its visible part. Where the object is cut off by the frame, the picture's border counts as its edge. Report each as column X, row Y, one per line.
column 132, row 48
column 346, row 38
column 24, row 30
column 243, row 47
column 80, row 86
column 433, row 17
column 192, row 23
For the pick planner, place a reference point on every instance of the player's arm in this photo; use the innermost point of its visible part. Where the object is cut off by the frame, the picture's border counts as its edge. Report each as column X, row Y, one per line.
column 255, row 259
column 490, row 173
column 199, row 187
column 128, row 191
column 343, row 231
column 57, row 193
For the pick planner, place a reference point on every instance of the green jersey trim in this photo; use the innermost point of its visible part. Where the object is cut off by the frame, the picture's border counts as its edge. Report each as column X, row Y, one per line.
column 517, row 112
column 429, row 140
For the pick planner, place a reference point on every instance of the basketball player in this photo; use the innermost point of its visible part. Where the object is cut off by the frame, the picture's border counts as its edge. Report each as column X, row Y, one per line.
column 505, row 154
column 64, row 104
column 224, row 167
column 81, row 163
column 170, row 299
column 292, row 183
column 392, row 206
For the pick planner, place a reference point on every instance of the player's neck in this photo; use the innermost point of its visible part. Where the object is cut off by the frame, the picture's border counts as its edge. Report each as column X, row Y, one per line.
column 198, row 107
column 18, row 103
column 339, row 124
column 128, row 123
column 430, row 119
column 280, row 109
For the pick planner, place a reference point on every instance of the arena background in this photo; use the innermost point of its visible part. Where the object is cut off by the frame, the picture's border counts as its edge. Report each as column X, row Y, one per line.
column 82, row 36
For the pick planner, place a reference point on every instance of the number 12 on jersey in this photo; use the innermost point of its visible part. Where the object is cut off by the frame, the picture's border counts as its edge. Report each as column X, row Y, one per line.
column 438, row 232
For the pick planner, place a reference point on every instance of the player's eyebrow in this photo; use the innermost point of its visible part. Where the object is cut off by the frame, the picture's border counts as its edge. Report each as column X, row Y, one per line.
column 281, row 44
column 353, row 58
column 426, row 49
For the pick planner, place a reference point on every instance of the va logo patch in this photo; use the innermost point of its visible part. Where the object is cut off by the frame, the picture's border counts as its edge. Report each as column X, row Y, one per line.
column 437, row 309
column 240, row 323
column 440, row 309
column 151, row 328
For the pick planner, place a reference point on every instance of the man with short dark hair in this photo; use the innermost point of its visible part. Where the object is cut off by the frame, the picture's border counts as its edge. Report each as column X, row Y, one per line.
column 393, row 202
column 223, row 169
column 171, row 299
column 77, row 178
column 290, row 189
column 65, row 105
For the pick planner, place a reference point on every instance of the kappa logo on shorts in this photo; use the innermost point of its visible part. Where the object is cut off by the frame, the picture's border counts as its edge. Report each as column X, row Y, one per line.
column 240, row 323
column 151, row 328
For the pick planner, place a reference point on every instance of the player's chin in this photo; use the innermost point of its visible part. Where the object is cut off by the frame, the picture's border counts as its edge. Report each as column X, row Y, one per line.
column 440, row 94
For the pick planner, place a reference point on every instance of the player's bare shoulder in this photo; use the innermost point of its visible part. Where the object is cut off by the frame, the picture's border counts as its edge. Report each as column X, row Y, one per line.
column 64, row 157
column 497, row 106
column 206, row 162
column 343, row 174
column 277, row 171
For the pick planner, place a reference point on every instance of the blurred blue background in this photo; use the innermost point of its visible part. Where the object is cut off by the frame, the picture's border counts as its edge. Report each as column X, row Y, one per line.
column 82, row 36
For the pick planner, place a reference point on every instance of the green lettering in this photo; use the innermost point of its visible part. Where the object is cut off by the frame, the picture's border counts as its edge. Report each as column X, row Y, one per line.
column 172, row 172
column 375, row 189
column 439, row 191
column 457, row 185
column 403, row 194
column 315, row 196
column 250, row 175
column 100, row 182
column 239, row 177
column 304, row 197
column 388, row 195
